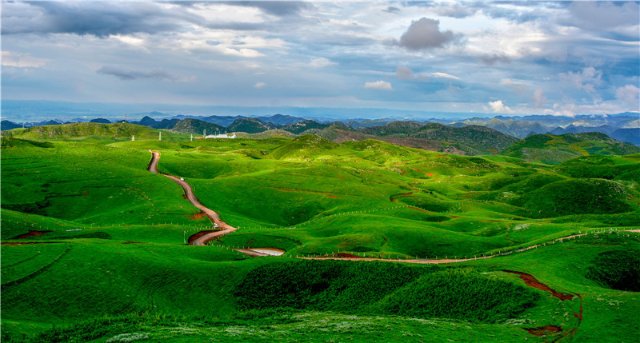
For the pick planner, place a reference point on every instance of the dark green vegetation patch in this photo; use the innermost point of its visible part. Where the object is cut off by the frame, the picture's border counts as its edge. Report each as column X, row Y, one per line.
column 460, row 294
column 322, row 285
column 617, row 269
column 383, row 288
column 577, row 197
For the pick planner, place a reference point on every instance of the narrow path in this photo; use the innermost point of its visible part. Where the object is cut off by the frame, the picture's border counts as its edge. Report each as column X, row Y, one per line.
column 200, row 239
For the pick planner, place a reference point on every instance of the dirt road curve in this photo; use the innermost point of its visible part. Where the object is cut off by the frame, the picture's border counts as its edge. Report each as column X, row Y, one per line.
column 223, row 227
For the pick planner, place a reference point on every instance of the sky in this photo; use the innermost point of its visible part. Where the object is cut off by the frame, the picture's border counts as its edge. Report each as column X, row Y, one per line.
column 508, row 58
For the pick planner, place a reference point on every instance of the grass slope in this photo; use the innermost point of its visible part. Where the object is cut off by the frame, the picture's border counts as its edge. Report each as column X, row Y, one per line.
column 113, row 264
column 553, row 149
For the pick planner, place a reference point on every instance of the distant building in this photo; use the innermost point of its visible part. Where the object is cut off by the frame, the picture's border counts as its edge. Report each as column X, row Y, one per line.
column 222, row 135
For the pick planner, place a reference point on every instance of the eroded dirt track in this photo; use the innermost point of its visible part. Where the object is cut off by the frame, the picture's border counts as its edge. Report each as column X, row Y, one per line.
column 200, row 238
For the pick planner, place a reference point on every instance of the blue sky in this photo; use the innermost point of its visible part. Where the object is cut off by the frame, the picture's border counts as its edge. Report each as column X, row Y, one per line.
column 557, row 58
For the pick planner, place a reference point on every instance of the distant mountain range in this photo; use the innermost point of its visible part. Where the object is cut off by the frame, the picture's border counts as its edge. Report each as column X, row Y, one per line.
column 622, row 126
column 469, row 136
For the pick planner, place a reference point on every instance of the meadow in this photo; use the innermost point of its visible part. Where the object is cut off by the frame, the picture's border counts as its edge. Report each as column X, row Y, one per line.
column 93, row 245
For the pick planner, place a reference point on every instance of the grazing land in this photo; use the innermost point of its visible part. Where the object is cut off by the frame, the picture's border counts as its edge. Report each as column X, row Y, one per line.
column 381, row 242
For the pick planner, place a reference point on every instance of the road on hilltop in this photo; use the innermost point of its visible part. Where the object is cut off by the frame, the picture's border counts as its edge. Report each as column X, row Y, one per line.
column 199, row 239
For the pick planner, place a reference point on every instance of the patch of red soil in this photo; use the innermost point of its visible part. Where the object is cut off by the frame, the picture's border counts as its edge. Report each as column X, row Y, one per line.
column 32, row 233
column 531, row 281
column 198, row 216
column 544, row 330
column 198, row 235
column 430, row 174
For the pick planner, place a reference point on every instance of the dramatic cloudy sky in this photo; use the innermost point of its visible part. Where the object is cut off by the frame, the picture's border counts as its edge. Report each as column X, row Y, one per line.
column 502, row 57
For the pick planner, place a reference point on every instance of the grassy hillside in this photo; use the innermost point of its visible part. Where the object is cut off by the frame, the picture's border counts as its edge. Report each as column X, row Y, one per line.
column 75, row 131
column 554, row 149
column 93, row 244
column 249, row 125
column 471, row 140
column 197, row 127
column 466, row 140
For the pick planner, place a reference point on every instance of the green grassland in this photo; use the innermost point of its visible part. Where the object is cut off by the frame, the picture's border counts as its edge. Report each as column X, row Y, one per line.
column 112, row 264
column 558, row 148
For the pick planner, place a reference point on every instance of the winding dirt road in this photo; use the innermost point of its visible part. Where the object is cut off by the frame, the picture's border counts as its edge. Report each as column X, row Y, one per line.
column 199, row 239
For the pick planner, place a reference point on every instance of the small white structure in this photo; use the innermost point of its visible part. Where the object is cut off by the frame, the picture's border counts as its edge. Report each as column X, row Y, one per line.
column 222, row 135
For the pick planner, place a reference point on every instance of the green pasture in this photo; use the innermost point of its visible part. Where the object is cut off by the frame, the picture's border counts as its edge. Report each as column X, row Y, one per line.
column 94, row 245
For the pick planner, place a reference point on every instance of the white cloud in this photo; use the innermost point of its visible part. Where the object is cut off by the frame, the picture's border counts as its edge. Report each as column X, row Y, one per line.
column 630, row 95
column 455, row 10
column 586, row 80
column 440, row 75
column 259, row 85
column 227, row 13
column 603, row 15
column 129, row 40
column 18, row 60
column 321, row 62
column 383, row 85
column 499, row 107
column 405, row 73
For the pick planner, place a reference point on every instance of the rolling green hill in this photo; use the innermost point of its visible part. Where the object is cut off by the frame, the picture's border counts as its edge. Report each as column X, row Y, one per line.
column 553, row 149
column 471, row 140
column 302, row 126
column 197, row 127
column 249, row 125
column 93, row 245
column 466, row 140
column 74, row 131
